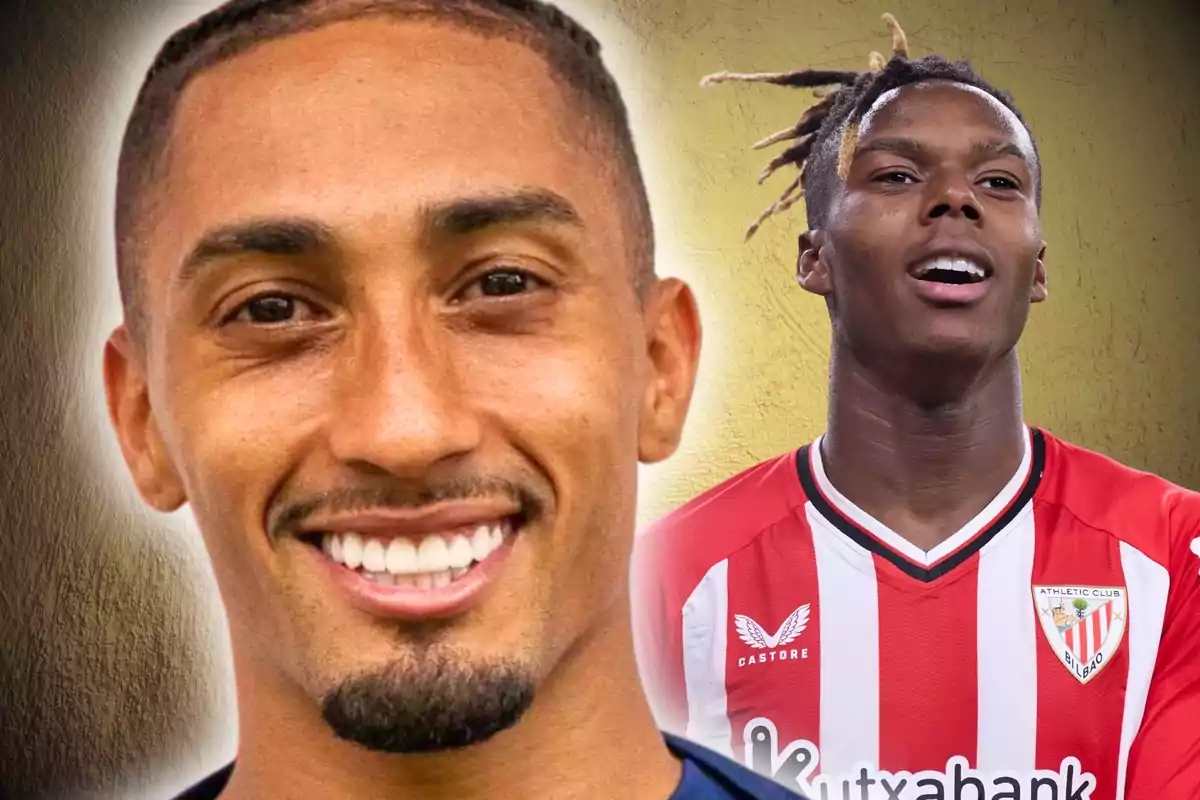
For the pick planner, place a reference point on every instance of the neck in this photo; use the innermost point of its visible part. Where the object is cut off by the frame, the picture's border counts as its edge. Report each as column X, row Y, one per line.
column 923, row 469
column 589, row 714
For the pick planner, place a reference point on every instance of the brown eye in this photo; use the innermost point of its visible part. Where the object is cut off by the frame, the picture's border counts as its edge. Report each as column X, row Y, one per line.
column 498, row 283
column 1000, row 182
column 501, row 283
column 272, row 309
column 899, row 178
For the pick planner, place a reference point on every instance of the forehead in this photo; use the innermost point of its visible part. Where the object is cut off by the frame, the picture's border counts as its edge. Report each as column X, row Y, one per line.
column 947, row 112
column 368, row 121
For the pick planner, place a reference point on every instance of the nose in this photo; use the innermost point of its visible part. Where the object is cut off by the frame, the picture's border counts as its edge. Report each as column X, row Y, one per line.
column 952, row 196
column 399, row 404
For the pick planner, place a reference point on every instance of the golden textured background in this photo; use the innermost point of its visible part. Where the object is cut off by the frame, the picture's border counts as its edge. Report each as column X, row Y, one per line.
column 113, row 666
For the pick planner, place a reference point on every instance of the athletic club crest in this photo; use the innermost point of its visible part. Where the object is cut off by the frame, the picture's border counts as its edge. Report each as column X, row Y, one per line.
column 1084, row 625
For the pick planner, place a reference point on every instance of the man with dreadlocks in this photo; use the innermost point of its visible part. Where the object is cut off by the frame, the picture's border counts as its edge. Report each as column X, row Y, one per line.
column 932, row 601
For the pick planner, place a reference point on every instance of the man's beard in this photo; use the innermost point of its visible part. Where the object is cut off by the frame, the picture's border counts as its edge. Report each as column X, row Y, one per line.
column 433, row 702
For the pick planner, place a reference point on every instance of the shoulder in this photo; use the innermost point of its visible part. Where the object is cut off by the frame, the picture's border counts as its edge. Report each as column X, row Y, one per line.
column 685, row 544
column 1139, row 509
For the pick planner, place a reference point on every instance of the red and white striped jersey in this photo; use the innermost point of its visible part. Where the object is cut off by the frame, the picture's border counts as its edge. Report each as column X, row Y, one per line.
column 1049, row 650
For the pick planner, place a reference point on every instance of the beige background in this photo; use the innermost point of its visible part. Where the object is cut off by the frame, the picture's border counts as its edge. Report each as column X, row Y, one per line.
column 113, row 667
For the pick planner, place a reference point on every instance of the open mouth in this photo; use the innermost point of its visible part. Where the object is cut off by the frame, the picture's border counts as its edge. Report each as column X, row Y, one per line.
column 950, row 270
column 430, row 561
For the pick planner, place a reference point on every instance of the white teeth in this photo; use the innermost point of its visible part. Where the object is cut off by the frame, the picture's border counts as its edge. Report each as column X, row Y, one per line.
column 352, row 550
column 374, row 557
column 481, row 543
column 402, row 557
column 434, row 561
column 951, row 265
column 433, row 554
column 460, row 554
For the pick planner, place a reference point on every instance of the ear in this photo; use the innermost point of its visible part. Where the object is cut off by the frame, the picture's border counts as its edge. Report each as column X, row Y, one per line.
column 1039, row 291
column 812, row 273
column 673, row 344
column 128, row 397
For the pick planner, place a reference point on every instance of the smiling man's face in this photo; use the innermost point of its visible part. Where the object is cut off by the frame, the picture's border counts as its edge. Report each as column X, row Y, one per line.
column 395, row 361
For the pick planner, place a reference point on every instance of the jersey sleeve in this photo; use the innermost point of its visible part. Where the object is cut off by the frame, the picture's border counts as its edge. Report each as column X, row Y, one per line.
column 658, row 632
column 1164, row 762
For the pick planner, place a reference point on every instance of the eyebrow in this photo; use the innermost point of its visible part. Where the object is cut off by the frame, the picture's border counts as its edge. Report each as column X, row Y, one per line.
column 993, row 149
column 285, row 236
column 918, row 151
column 291, row 236
column 298, row 236
column 465, row 216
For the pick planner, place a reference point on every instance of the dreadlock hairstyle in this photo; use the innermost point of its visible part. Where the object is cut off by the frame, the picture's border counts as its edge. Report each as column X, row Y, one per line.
column 845, row 96
column 571, row 52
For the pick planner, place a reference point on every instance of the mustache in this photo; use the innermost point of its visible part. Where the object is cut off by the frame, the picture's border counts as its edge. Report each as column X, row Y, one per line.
column 289, row 514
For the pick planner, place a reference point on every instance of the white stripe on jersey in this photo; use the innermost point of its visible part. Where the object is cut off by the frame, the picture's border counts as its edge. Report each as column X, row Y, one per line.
column 705, row 621
column 1007, row 639
column 1146, row 584
column 848, row 599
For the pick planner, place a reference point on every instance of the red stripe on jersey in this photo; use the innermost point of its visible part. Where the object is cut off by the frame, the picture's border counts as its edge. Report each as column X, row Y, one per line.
column 1073, row 717
column 762, row 680
column 927, row 668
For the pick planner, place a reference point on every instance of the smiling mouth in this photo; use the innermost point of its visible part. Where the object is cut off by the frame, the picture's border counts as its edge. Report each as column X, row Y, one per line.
column 952, row 270
column 430, row 561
